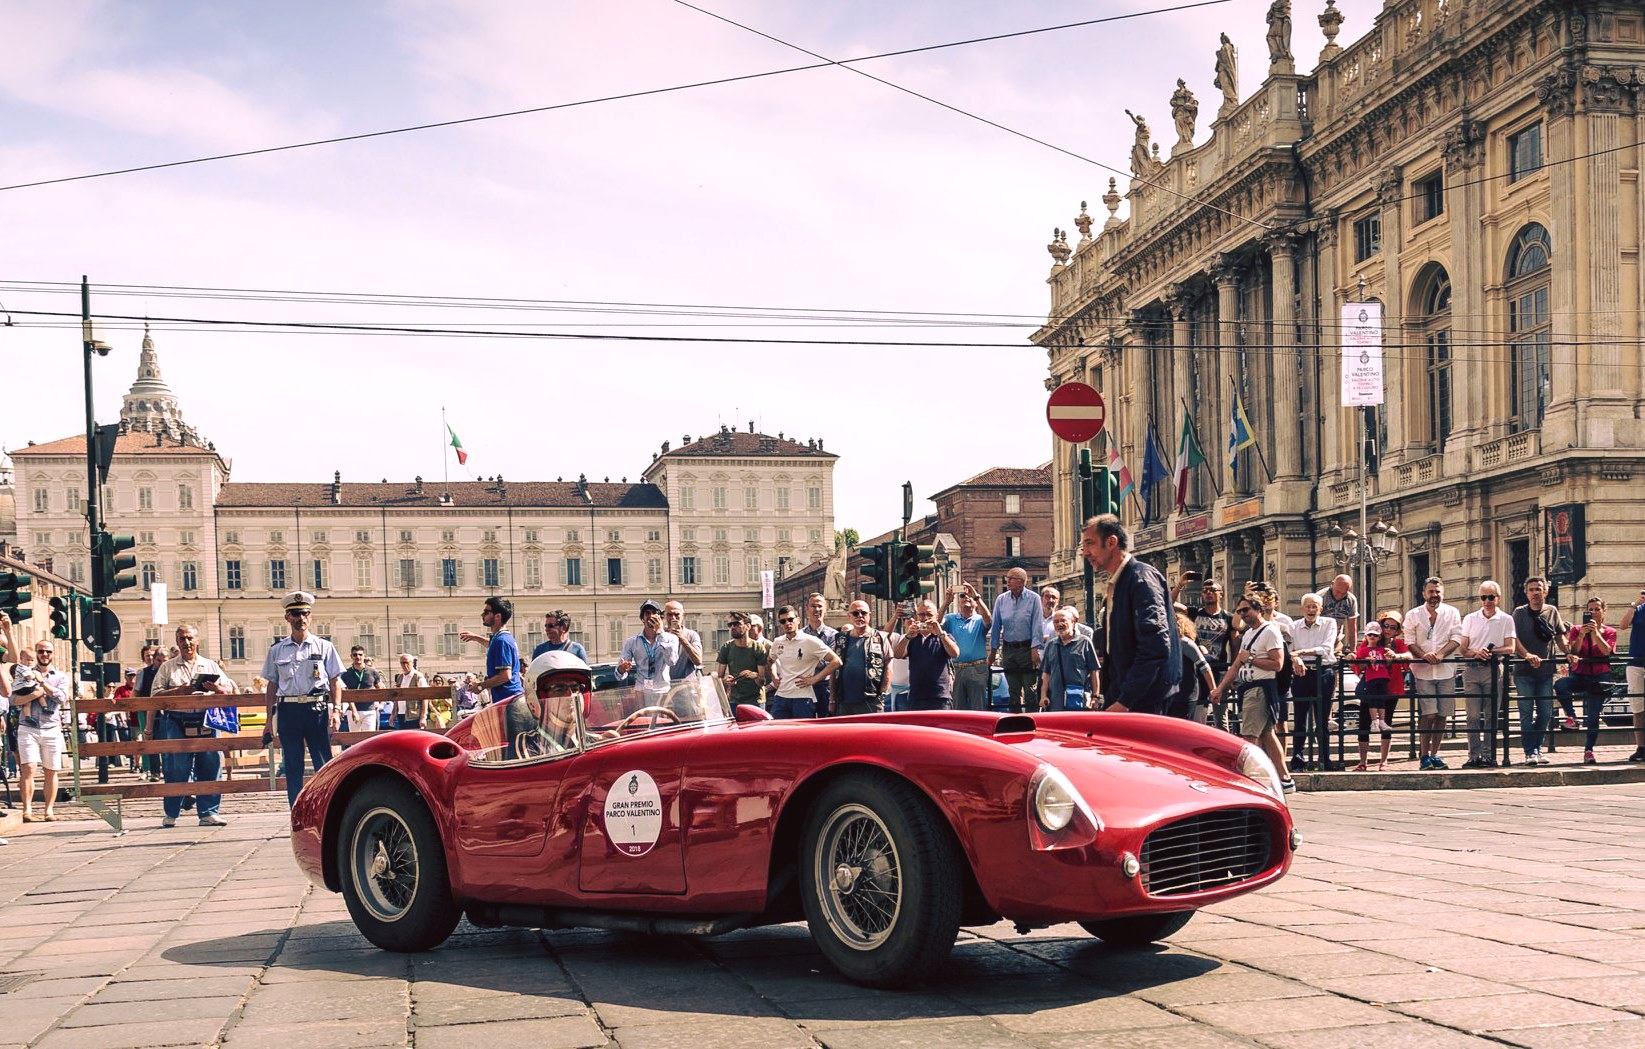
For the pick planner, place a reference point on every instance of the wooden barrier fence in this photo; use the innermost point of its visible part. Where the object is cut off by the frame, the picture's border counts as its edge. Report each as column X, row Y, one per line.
column 97, row 795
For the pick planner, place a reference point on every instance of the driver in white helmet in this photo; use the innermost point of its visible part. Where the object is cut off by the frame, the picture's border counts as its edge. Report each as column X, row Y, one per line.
column 543, row 720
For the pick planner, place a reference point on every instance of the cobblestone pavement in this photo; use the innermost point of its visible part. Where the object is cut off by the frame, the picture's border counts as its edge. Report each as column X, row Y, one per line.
column 1435, row 919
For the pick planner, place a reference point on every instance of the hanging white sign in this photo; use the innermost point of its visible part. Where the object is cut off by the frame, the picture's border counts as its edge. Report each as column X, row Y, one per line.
column 1361, row 354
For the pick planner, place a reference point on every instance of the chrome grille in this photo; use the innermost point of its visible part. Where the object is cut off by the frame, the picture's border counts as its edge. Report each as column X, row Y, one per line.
column 1206, row 851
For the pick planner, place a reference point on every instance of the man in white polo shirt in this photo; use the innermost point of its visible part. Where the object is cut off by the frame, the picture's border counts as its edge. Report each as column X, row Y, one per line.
column 1485, row 634
column 1433, row 630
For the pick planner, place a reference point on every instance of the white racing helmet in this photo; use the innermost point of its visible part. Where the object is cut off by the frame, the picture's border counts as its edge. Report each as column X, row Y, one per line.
column 554, row 664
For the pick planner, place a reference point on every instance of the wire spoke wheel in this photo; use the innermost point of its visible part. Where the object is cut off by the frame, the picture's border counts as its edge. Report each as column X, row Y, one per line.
column 859, row 877
column 385, row 864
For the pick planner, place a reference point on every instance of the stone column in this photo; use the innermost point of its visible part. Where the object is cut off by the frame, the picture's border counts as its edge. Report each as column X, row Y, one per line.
column 1472, row 379
column 1329, row 344
column 1219, row 402
column 1176, row 304
column 1287, row 377
column 1397, row 357
column 1598, row 269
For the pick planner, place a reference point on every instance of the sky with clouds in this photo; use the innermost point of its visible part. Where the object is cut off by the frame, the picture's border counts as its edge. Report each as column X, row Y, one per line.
column 812, row 205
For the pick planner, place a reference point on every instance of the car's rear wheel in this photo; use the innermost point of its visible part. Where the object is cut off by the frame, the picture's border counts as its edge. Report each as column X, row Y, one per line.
column 1137, row 931
column 880, row 880
column 394, row 870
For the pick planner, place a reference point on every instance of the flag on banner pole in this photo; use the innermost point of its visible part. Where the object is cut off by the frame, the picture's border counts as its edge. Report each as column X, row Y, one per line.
column 1239, row 433
column 1117, row 468
column 1188, row 457
column 457, row 443
column 1154, row 471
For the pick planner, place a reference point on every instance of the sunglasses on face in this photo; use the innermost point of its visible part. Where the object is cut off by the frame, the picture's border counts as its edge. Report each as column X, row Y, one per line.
column 1487, row 597
column 785, row 619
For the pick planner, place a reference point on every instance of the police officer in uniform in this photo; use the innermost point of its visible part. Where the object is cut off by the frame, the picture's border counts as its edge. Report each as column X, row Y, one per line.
column 304, row 675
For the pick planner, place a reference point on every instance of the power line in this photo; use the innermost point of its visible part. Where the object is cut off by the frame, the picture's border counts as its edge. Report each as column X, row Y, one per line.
column 433, row 125
column 1133, row 176
column 1395, row 349
column 844, row 317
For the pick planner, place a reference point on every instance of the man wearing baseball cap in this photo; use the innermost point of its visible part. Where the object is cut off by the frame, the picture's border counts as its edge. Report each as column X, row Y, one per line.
column 652, row 652
column 305, row 683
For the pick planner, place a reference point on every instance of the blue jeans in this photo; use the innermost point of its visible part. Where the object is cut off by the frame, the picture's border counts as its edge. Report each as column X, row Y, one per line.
column 789, row 708
column 1536, row 708
column 302, row 725
column 206, row 765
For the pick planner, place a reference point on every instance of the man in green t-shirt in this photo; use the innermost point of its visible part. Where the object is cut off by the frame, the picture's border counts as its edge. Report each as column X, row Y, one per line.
column 744, row 665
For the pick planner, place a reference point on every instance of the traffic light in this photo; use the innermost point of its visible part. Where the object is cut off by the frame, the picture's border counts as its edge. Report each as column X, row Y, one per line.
column 15, row 595
column 60, row 617
column 110, row 563
column 1107, row 487
column 875, row 570
column 912, row 570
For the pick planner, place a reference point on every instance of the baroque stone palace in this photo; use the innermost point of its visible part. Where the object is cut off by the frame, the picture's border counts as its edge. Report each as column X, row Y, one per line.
column 404, row 566
column 1472, row 166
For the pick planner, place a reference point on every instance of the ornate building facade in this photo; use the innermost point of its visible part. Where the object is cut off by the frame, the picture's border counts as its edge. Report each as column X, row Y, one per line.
column 404, row 566
column 1474, row 168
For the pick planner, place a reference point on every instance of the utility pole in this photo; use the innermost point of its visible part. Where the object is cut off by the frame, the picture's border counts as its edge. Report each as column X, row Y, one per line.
column 94, row 517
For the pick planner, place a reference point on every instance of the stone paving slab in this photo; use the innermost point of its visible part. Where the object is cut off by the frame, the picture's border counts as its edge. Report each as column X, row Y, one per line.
column 1411, row 918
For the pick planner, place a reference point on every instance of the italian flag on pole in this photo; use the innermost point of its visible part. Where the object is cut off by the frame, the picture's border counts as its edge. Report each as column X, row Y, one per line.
column 1188, row 457
column 457, row 443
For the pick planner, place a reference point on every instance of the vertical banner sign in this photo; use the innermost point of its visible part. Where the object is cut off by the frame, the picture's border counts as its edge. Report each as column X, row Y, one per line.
column 157, row 604
column 1361, row 354
column 768, row 589
column 1565, row 543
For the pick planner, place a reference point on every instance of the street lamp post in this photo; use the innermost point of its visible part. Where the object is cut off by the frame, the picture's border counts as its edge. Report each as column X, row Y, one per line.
column 1351, row 549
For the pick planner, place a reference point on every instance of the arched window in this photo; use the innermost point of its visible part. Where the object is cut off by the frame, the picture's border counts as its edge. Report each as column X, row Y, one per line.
column 1433, row 302
column 1529, row 327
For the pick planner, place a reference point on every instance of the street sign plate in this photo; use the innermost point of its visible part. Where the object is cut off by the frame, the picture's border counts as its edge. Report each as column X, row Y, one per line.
column 1075, row 412
column 111, row 673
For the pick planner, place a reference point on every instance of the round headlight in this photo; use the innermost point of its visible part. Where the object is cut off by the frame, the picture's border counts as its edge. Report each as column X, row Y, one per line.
column 1253, row 763
column 1054, row 801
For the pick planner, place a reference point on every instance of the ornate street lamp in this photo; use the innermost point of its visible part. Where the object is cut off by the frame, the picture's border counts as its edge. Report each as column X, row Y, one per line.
column 1351, row 550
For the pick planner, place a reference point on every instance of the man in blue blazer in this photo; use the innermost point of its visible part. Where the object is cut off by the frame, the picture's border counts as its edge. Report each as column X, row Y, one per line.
column 1144, row 650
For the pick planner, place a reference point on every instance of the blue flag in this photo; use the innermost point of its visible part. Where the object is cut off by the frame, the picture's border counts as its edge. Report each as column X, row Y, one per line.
column 1239, row 433
column 1154, row 471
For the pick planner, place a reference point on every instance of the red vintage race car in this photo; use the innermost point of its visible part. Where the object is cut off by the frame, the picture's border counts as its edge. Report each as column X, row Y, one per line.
column 672, row 813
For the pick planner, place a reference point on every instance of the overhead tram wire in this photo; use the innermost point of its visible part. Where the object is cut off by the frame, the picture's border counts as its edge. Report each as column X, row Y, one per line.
column 1133, row 176
column 311, row 327
column 434, row 125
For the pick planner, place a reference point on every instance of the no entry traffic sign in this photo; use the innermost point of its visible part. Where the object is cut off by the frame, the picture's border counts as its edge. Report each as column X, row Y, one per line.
column 1075, row 412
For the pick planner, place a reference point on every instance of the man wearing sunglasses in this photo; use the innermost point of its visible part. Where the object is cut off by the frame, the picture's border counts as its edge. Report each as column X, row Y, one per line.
column 864, row 677
column 798, row 661
column 743, row 665
column 1485, row 634
column 305, row 682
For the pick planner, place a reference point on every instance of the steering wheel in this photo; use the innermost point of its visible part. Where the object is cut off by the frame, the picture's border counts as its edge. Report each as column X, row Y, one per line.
column 652, row 711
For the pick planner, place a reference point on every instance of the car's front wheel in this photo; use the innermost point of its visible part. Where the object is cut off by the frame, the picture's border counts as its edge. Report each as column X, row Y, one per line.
column 880, row 880
column 1137, row 931
column 394, row 870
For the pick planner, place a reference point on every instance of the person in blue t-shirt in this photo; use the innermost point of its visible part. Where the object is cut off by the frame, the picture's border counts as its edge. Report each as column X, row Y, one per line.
column 557, row 627
column 1635, row 625
column 969, row 628
column 503, row 669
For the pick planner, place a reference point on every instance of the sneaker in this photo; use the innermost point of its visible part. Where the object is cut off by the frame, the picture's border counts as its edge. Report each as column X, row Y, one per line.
column 1588, row 758
column 1570, row 723
column 169, row 821
column 213, row 820
column 1437, row 762
column 1288, row 786
column 1425, row 764
column 1296, row 765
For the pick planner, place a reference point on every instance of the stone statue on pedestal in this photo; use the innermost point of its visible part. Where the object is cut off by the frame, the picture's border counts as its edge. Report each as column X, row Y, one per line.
column 1227, row 76
column 1279, row 31
column 1185, row 111
column 1141, row 163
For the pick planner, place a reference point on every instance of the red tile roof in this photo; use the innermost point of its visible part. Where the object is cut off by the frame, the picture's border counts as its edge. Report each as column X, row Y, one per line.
column 135, row 443
column 471, row 494
column 740, row 443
